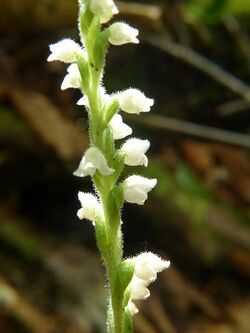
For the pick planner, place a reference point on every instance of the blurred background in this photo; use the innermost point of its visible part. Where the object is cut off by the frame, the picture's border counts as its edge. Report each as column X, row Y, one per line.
column 194, row 60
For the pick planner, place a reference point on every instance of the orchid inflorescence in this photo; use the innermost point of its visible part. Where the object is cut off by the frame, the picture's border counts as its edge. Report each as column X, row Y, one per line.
column 128, row 279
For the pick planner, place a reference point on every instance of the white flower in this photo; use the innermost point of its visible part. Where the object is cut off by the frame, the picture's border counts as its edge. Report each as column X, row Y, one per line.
column 119, row 129
column 134, row 150
column 93, row 160
column 134, row 101
column 103, row 8
column 66, row 50
column 83, row 101
column 147, row 265
column 90, row 206
column 122, row 33
column 72, row 79
column 138, row 289
column 136, row 188
column 132, row 308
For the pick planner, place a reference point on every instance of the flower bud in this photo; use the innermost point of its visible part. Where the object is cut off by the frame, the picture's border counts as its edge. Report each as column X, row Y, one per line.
column 134, row 101
column 119, row 129
column 93, row 160
column 122, row 33
column 66, row 51
column 134, row 150
column 147, row 265
column 103, row 8
column 72, row 79
column 136, row 188
column 90, row 206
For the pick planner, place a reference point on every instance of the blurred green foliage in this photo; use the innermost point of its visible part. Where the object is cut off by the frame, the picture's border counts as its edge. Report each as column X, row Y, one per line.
column 211, row 11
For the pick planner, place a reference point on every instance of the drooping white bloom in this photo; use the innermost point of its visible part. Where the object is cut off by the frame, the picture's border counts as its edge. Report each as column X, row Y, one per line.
column 90, row 206
column 122, row 33
column 93, row 160
column 119, row 129
column 147, row 265
column 103, row 8
column 66, row 50
column 136, row 188
column 134, row 150
column 132, row 308
column 72, row 79
column 134, row 101
column 138, row 289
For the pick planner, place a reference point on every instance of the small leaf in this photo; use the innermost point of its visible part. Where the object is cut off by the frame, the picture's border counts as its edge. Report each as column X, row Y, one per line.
column 99, row 50
column 114, row 204
column 111, row 109
column 84, row 71
column 125, row 273
column 101, row 236
column 86, row 18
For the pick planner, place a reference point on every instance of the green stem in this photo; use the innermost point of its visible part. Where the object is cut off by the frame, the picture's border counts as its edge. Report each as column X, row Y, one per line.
column 112, row 254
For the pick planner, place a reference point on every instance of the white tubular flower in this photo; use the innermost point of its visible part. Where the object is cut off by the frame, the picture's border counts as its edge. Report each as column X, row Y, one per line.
column 90, row 206
column 72, row 79
column 138, row 289
column 119, row 129
column 66, row 51
column 93, row 160
column 134, row 101
column 103, row 8
column 134, row 150
column 136, row 188
column 132, row 308
column 147, row 265
column 122, row 33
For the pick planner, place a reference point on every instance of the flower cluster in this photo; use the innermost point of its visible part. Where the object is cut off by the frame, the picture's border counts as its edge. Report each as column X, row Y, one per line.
column 102, row 161
column 147, row 265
